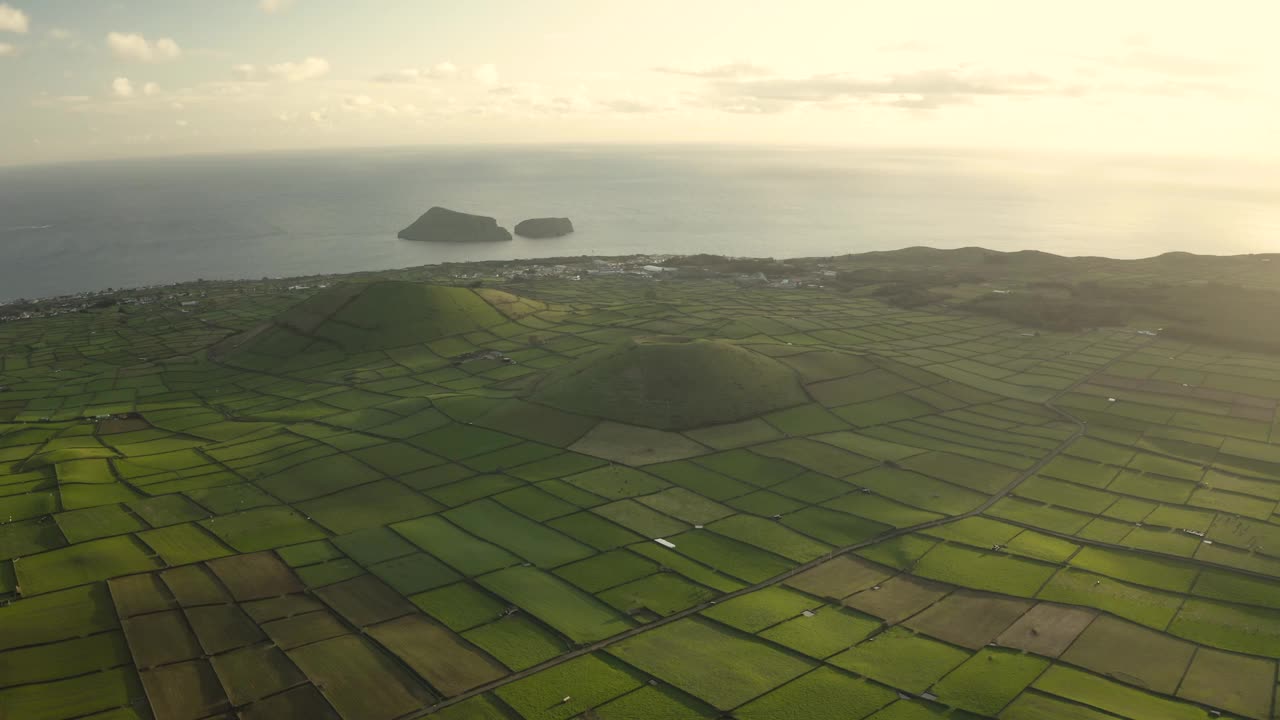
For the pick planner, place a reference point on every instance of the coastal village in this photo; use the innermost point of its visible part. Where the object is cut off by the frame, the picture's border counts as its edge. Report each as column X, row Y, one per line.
column 187, row 295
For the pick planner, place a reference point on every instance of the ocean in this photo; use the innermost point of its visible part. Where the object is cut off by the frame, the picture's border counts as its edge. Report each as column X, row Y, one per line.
column 90, row 226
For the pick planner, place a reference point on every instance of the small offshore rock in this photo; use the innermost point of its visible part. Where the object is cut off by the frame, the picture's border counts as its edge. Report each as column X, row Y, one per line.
column 544, row 227
column 444, row 225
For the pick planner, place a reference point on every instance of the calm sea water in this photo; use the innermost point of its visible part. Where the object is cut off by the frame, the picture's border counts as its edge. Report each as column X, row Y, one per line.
column 91, row 226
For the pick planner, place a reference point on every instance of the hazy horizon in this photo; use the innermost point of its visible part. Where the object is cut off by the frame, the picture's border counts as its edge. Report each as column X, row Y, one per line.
column 90, row 81
column 121, row 223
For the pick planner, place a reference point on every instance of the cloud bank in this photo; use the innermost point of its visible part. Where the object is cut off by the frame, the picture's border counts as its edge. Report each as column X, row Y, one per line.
column 13, row 20
column 132, row 46
column 300, row 71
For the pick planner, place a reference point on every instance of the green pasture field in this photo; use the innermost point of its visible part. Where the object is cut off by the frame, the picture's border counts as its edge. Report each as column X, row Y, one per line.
column 370, row 546
column 749, row 467
column 467, row 553
column 607, row 570
column 825, row 693
column 73, row 697
column 686, row 505
column 535, row 503
column 587, row 681
column 919, row 491
column 699, row 480
column 654, row 703
column 901, row 659
column 729, row 556
column 1151, row 572
column 593, row 530
column 69, row 658
column 833, row 527
column 761, row 609
column 640, row 519
column 517, row 641
column 1145, row 606
column 824, row 633
column 1111, row 696
column 263, row 528
column 579, row 616
column 86, row 562
column 1239, row 628
column 987, row 682
column 710, row 662
column 984, row 570
column 490, row 521
column 771, row 536
column 459, row 606
column 663, row 593
column 687, row 567
column 351, row 517
column 881, row 509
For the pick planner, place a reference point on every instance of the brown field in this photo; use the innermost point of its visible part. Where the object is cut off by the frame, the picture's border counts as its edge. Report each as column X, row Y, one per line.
column 361, row 682
column 139, row 594
column 898, row 598
column 840, row 577
column 1132, row 654
column 968, row 618
column 365, row 600
column 1047, row 629
column 1235, row 683
column 301, row 702
column 299, row 630
column 193, row 585
column 449, row 663
column 254, row 576
column 253, row 673
column 184, row 691
column 160, row 638
column 222, row 627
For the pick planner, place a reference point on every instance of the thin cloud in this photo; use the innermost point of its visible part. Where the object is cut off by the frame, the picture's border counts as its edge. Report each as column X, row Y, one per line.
column 7, row 50
column 486, row 74
column 1160, row 63
column 132, row 46
column 309, row 69
column 923, row 89
column 274, row 6
column 906, row 46
column 439, row 71
column 13, row 20
column 122, row 87
column 736, row 69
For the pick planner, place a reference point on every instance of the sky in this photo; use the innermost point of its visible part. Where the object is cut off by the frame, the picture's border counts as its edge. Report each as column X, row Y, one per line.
column 95, row 79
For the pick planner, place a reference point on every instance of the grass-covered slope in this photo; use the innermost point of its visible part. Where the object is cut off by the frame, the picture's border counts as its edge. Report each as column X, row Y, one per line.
column 362, row 317
column 672, row 383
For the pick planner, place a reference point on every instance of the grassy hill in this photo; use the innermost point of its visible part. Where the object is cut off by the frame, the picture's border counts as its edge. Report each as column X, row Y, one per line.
column 361, row 317
column 672, row 383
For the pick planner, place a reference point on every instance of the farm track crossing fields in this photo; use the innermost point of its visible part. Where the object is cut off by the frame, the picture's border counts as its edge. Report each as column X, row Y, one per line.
column 403, row 527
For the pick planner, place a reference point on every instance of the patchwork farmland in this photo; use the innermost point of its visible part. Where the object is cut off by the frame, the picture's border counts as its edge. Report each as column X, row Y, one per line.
column 407, row 494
